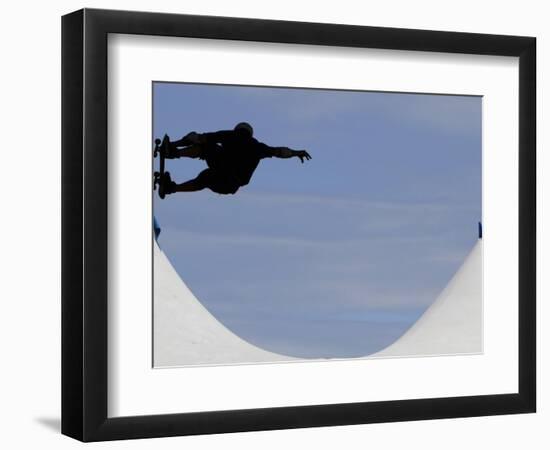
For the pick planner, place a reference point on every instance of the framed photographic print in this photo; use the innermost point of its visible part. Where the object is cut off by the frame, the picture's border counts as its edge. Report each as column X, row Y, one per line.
column 273, row 224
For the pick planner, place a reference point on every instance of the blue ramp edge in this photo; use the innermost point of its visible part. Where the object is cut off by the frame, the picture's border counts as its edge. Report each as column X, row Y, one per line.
column 156, row 228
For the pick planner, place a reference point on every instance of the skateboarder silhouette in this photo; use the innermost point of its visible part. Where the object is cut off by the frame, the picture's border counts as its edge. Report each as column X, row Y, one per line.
column 232, row 157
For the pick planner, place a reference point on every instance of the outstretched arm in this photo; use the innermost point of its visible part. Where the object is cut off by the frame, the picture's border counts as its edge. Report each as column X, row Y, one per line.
column 285, row 152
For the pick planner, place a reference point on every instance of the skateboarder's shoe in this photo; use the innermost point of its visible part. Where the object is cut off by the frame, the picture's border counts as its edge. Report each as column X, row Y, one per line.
column 171, row 151
column 166, row 185
column 168, row 149
column 170, row 188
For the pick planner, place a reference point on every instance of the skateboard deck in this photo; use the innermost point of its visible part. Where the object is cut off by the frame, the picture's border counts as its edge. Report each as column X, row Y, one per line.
column 161, row 177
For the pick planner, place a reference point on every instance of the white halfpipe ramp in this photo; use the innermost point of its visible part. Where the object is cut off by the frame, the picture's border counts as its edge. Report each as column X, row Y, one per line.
column 453, row 324
column 185, row 333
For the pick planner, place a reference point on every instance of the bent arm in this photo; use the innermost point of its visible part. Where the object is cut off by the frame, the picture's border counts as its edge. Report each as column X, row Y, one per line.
column 218, row 137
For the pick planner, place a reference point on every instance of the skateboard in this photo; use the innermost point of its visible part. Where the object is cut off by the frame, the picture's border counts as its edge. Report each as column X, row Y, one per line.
column 161, row 177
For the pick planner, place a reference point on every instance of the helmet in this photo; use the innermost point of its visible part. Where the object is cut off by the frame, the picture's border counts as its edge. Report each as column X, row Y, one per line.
column 246, row 127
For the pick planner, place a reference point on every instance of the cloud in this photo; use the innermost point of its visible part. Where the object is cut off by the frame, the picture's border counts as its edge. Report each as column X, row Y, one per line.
column 262, row 252
column 319, row 107
column 303, row 220
column 444, row 113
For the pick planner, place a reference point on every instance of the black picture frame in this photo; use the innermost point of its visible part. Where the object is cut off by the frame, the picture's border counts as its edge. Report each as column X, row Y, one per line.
column 84, row 224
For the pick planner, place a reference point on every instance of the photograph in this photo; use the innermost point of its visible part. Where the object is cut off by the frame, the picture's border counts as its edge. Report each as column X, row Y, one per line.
column 276, row 225
column 301, row 224
column 272, row 224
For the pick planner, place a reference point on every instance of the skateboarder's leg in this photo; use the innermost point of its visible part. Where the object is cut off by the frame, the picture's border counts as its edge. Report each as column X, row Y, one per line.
column 196, row 184
column 192, row 151
column 189, row 186
column 188, row 139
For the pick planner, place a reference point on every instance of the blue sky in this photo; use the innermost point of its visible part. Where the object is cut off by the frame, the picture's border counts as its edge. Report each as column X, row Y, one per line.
column 338, row 256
